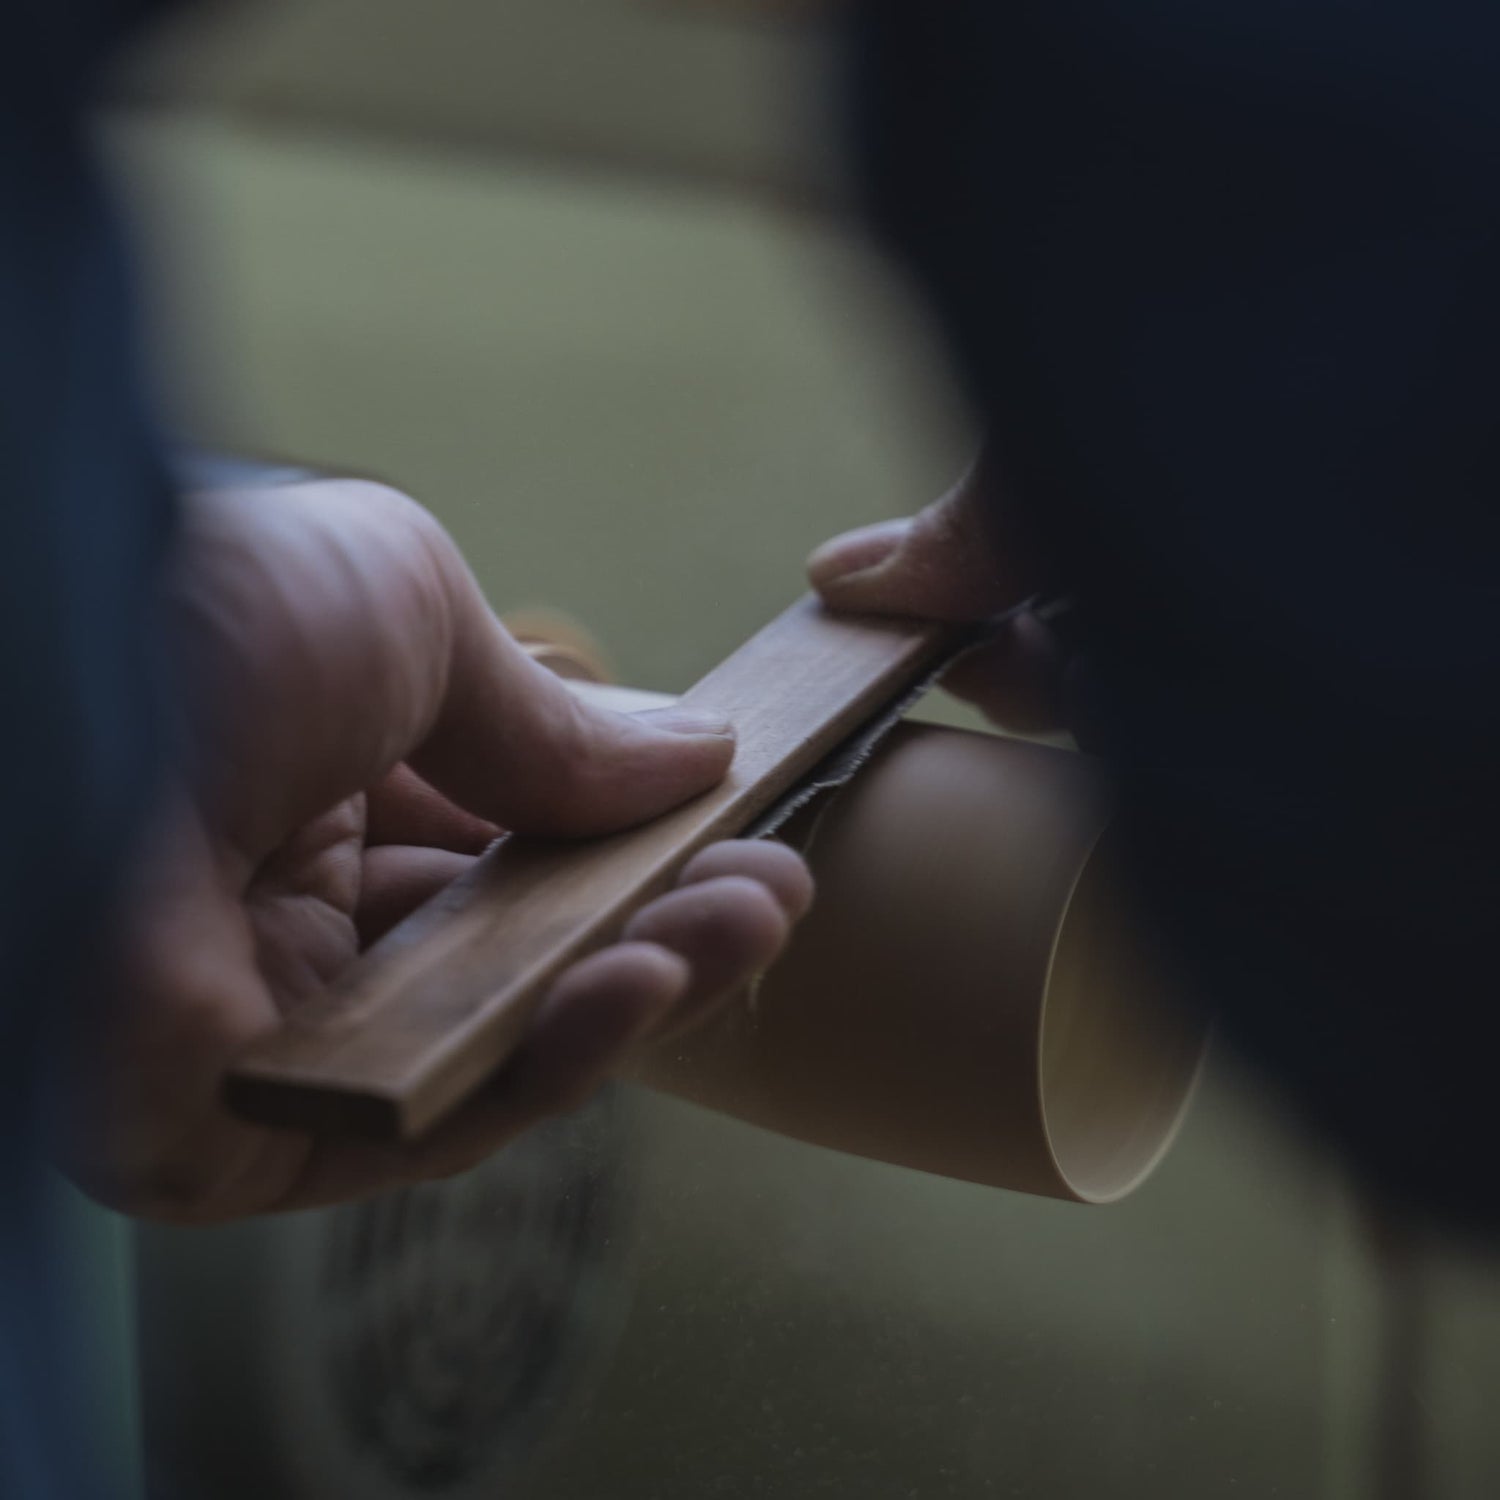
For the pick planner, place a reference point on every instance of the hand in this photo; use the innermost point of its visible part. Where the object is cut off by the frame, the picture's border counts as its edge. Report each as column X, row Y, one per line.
column 948, row 562
column 361, row 726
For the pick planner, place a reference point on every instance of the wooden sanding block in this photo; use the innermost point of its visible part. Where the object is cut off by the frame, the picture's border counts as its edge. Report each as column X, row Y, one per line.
column 431, row 1011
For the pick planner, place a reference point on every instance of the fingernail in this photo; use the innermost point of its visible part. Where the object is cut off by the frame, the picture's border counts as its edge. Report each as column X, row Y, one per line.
column 856, row 552
column 691, row 721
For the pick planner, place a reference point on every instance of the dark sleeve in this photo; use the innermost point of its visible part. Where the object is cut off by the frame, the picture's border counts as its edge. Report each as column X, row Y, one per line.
column 1222, row 280
column 85, row 517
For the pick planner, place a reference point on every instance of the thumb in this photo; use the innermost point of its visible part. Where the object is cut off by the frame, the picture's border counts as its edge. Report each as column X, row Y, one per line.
column 512, row 744
column 944, row 563
column 334, row 630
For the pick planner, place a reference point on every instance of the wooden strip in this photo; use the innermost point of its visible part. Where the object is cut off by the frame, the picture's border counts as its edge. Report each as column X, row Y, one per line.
column 430, row 1013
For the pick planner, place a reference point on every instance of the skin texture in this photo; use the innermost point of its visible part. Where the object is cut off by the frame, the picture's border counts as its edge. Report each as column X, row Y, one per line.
column 361, row 726
column 947, row 563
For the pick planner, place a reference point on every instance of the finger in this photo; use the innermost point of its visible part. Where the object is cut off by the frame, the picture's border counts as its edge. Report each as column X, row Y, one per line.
column 396, row 879
column 726, row 929
column 593, row 1015
column 941, row 564
column 508, row 742
column 1015, row 679
column 403, row 809
column 779, row 869
column 512, row 744
column 337, row 631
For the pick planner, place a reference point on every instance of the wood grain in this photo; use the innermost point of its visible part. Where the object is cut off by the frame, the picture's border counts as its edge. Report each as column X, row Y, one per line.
column 434, row 1009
